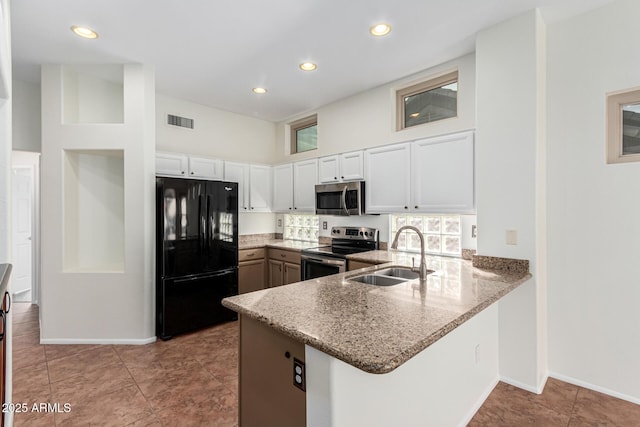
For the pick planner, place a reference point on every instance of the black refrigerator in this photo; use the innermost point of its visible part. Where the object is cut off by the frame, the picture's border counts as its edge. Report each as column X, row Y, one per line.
column 196, row 253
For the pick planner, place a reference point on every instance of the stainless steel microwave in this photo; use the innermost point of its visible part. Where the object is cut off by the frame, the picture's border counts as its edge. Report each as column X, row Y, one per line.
column 346, row 198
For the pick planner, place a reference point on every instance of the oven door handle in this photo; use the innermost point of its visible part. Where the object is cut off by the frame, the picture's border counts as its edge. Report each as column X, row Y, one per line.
column 344, row 200
column 322, row 260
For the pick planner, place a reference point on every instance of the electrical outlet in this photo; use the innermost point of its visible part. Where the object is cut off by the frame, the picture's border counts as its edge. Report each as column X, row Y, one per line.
column 477, row 354
column 324, row 225
column 511, row 237
column 298, row 374
column 474, row 231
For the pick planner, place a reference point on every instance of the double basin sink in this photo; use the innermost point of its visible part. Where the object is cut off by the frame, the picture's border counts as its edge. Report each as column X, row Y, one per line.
column 388, row 276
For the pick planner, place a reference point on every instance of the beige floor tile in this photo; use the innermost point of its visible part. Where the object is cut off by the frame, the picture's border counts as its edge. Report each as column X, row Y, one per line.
column 118, row 408
column 596, row 408
column 58, row 351
column 92, row 384
column 82, row 363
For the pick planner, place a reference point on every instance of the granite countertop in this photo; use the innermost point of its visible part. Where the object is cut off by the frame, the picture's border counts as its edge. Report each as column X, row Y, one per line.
column 279, row 244
column 375, row 328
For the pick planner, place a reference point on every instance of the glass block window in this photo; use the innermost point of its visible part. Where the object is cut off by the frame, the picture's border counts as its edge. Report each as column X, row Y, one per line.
column 442, row 233
column 301, row 227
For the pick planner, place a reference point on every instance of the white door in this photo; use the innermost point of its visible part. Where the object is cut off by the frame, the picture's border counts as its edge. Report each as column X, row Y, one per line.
column 22, row 215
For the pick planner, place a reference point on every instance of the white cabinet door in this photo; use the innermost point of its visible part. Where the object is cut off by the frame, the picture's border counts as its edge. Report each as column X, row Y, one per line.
column 239, row 172
column 305, row 178
column 171, row 164
column 351, row 166
column 283, row 188
column 387, row 177
column 443, row 174
column 204, row 168
column 341, row 167
column 259, row 188
column 329, row 169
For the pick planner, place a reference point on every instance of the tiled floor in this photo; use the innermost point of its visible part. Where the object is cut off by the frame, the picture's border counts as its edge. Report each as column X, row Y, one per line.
column 192, row 381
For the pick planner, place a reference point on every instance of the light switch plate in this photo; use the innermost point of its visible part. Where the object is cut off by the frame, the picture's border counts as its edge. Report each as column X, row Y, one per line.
column 511, row 237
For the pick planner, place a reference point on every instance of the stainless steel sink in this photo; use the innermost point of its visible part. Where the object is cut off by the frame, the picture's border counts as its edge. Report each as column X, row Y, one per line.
column 404, row 273
column 378, row 280
column 388, row 276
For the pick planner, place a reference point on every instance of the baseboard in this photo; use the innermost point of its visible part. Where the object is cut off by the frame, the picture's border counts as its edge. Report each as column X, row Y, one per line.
column 123, row 341
column 593, row 387
column 527, row 387
column 485, row 394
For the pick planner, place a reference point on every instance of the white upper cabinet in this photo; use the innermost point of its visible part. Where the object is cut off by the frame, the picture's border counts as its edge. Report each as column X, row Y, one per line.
column 352, row 166
column 305, row 178
column 239, row 172
column 259, row 188
column 433, row 175
column 204, row 168
column 182, row 165
column 171, row 164
column 283, row 188
column 341, row 167
column 387, row 178
column 294, row 186
column 329, row 169
column 442, row 171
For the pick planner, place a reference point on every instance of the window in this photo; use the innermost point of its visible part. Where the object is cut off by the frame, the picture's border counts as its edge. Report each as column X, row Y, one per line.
column 304, row 134
column 428, row 101
column 623, row 127
column 442, row 233
column 301, row 227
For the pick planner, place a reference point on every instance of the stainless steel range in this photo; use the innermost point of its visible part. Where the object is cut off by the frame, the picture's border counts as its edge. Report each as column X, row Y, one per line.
column 327, row 260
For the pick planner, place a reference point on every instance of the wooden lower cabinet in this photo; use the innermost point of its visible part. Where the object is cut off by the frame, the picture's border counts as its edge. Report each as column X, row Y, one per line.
column 283, row 267
column 268, row 396
column 251, row 270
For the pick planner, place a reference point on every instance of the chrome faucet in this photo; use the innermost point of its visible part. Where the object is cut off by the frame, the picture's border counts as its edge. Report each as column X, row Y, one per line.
column 423, row 259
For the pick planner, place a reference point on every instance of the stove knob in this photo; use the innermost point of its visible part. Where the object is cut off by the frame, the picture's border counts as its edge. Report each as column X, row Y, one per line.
column 361, row 233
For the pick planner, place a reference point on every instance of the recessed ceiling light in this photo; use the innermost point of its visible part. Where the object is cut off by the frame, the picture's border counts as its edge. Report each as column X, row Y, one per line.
column 380, row 29
column 85, row 32
column 259, row 90
column 308, row 66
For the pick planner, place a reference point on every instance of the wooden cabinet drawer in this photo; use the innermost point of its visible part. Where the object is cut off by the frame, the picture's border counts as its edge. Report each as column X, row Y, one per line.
column 286, row 256
column 250, row 254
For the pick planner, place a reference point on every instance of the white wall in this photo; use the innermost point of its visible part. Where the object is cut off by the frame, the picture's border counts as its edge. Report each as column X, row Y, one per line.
column 443, row 385
column 5, row 171
column 510, row 87
column 594, row 208
column 26, row 116
column 216, row 133
column 96, row 306
column 368, row 119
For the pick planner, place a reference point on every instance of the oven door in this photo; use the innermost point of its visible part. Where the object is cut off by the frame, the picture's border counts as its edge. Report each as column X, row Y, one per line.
column 314, row 266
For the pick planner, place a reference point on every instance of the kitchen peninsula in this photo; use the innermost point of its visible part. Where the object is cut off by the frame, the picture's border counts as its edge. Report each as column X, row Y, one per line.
column 434, row 343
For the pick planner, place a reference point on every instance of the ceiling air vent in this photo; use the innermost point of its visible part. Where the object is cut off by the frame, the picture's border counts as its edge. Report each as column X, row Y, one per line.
column 182, row 122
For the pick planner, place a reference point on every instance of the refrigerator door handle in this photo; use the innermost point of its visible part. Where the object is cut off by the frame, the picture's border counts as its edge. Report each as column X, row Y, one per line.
column 209, row 219
column 202, row 237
